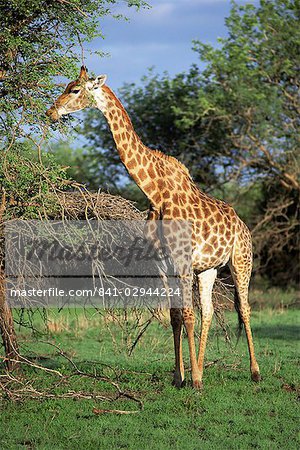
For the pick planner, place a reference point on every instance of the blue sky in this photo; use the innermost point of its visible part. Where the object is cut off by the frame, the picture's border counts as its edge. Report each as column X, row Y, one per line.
column 160, row 36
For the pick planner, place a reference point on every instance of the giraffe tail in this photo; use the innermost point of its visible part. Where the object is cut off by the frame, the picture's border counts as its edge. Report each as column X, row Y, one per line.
column 240, row 320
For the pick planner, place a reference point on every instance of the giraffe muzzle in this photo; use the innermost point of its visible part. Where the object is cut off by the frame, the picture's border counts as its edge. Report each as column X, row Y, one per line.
column 53, row 114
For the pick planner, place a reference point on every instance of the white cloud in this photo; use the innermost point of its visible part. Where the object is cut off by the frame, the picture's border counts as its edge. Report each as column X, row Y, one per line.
column 160, row 36
column 162, row 10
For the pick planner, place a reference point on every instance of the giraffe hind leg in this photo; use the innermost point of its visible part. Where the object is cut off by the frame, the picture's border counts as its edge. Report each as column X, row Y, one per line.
column 241, row 272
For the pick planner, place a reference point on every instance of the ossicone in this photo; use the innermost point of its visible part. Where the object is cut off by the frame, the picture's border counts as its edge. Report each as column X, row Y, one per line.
column 83, row 73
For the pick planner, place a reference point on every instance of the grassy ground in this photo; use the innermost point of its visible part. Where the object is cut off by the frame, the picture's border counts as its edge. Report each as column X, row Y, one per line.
column 230, row 413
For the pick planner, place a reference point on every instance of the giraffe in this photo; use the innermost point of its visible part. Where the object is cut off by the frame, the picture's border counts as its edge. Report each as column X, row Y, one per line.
column 219, row 236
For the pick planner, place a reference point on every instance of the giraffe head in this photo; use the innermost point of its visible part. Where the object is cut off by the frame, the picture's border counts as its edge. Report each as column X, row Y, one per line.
column 79, row 94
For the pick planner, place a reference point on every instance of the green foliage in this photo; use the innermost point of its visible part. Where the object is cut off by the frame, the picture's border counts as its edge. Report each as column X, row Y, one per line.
column 39, row 40
column 132, row 192
column 78, row 162
column 83, row 165
column 252, row 88
column 28, row 184
column 39, row 44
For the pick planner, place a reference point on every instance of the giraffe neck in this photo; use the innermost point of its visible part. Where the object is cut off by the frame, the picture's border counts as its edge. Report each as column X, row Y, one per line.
column 142, row 164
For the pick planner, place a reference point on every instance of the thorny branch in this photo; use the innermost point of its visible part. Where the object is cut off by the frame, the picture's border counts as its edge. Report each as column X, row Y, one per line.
column 17, row 388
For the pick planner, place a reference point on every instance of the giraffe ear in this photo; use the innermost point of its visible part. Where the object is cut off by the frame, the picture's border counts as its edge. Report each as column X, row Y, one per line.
column 96, row 83
column 100, row 81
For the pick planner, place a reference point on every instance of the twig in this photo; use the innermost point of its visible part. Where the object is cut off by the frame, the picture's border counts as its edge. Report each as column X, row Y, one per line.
column 113, row 411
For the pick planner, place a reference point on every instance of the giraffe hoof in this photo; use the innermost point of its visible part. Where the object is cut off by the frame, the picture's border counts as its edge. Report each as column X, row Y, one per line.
column 178, row 383
column 255, row 376
column 197, row 384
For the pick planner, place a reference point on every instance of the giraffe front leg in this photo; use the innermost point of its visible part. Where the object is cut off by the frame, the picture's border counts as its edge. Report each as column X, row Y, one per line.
column 189, row 323
column 176, row 322
column 206, row 281
column 188, row 315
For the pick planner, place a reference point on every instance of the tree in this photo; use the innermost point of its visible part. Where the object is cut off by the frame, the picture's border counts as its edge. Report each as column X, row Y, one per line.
column 252, row 88
column 38, row 41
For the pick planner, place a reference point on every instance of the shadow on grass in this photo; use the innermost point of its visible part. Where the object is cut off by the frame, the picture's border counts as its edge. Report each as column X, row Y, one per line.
column 283, row 332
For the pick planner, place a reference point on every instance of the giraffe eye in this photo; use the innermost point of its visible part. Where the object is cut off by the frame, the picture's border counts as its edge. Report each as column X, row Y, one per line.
column 75, row 91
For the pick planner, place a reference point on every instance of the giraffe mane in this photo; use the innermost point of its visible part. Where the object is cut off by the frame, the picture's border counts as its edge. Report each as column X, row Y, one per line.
column 173, row 161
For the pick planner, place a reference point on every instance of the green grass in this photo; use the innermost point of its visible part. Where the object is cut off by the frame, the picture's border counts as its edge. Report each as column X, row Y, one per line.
column 230, row 413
